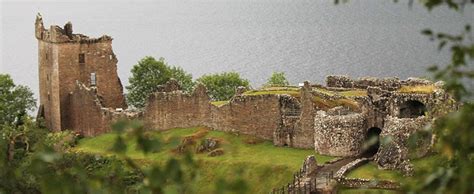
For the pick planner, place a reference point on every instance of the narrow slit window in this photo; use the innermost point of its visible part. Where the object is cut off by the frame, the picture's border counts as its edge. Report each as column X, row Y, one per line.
column 82, row 58
column 93, row 79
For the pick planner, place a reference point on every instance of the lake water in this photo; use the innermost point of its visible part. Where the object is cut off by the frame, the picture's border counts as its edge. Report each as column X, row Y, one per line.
column 307, row 39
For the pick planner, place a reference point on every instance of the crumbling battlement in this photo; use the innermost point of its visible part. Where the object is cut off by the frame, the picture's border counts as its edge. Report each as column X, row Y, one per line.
column 56, row 34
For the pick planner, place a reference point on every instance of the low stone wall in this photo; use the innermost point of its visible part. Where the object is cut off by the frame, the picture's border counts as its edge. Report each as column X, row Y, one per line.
column 351, row 166
column 368, row 183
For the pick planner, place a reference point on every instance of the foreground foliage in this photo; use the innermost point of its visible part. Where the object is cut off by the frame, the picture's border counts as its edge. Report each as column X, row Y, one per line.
column 262, row 165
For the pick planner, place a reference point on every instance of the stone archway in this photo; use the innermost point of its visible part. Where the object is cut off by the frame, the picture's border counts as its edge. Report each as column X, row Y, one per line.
column 412, row 109
column 371, row 142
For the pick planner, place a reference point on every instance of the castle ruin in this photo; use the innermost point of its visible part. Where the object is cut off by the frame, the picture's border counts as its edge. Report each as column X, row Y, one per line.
column 80, row 91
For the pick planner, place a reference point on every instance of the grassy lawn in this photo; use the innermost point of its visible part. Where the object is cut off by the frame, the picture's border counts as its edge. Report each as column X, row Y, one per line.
column 370, row 170
column 265, row 166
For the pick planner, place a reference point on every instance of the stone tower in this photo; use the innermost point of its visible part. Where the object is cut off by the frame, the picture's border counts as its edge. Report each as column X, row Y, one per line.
column 64, row 59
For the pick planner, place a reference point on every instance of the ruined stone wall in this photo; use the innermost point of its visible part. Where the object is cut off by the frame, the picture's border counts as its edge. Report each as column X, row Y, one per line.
column 339, row 135
column 175, row 109
column 389, row 84
column 89, row 116
column 303, row 137
column 290, row 108
column 48, row 73
column 252, row 115
column 394, row 153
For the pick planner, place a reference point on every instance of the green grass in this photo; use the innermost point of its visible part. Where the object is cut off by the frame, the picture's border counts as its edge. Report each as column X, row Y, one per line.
column 266, row 166
column 294, row 93
column 326, row 104
column 422, row 89
column 219, row 103
column 370, row 170
column 353, row 93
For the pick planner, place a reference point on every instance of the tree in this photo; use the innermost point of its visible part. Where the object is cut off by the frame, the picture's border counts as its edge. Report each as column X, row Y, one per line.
column 15, row 101
column 222, row 86
column 150, row 73
column 17, row 131
column 454, row 131
column 278, row 79
column 185, row 79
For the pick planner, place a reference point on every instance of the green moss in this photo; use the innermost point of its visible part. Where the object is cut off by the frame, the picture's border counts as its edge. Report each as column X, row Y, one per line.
column 265, row 165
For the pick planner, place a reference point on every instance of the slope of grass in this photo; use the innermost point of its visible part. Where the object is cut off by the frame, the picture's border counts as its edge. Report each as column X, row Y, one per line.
column 265, row 166
column 370, row 170
column 423, row 89
column 326, row 104
column 263, row 92
column 219, row 103
column 352, row 93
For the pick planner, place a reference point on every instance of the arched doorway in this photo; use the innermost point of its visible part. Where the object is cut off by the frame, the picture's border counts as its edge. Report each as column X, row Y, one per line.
column 412, row 109
column 372, row 142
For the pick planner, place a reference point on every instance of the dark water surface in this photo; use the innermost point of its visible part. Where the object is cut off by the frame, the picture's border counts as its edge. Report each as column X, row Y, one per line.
column 307, row 39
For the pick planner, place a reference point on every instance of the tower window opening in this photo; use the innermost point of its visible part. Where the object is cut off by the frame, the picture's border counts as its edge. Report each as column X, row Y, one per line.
column 93, row 79
column 82, row 58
